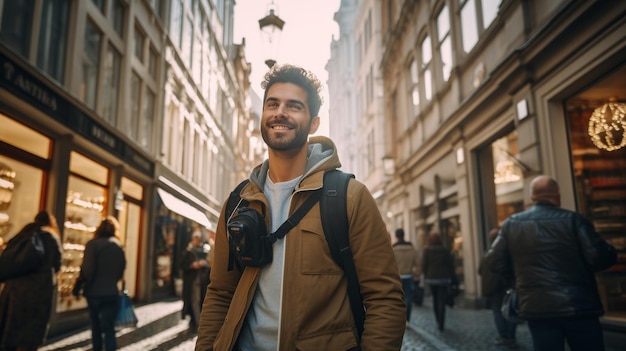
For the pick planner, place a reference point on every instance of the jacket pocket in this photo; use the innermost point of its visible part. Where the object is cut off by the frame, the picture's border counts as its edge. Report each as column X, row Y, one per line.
column 314, row 251
column 338, row 340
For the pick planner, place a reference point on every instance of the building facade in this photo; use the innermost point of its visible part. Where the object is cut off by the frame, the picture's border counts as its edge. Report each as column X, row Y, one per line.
column 124, row 108
column 481, row 96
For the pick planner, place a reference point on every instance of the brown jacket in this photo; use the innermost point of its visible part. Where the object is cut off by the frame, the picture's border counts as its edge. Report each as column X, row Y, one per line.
column 315, row 313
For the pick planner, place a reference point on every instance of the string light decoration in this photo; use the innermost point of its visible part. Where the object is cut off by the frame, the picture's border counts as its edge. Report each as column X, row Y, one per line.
column 607, row 126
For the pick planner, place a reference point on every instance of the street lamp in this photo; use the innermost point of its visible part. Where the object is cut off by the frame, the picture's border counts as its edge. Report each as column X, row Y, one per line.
column 271, row 28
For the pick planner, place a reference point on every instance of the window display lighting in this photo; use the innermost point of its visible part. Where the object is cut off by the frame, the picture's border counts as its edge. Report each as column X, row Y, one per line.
column 607, row 126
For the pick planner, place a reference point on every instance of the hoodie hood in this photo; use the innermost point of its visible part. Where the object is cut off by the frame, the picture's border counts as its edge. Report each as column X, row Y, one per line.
column 321, row 156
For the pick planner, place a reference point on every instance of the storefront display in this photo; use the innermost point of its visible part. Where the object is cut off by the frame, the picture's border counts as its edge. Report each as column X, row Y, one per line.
column 597, row 136
column 85, row 209
column 24, row 151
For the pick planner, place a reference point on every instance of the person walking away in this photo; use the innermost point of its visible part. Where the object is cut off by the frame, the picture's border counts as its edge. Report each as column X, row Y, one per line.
column 26, row 298
column 408, row 266
column 102, row 268
column 494, row 287
column 195, row 267
column 438, row 267
column 553, row 254
column 299, row 300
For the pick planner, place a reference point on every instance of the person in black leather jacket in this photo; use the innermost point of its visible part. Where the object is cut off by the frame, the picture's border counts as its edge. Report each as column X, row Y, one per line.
column 552, row 254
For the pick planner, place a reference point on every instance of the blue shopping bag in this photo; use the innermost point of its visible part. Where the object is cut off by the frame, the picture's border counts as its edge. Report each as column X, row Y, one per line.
column 126, row 317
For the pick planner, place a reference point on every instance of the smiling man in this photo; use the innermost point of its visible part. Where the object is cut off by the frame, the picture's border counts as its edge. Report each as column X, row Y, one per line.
column 299, row 300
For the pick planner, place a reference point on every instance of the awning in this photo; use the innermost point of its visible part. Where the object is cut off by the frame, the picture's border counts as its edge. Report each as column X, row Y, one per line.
column 184, row 209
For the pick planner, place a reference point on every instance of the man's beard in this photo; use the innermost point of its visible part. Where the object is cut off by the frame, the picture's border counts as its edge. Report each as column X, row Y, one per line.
column 285, row 143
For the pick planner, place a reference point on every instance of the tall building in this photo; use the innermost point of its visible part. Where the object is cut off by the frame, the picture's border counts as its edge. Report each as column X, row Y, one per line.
column 356, row 94
column 135, row 109
column 481, row 96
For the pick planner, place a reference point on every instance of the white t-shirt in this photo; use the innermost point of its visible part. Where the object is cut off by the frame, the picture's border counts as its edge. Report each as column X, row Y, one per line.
column 261, row 328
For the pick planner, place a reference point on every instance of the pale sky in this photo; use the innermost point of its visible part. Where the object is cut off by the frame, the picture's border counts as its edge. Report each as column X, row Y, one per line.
column 304, row 41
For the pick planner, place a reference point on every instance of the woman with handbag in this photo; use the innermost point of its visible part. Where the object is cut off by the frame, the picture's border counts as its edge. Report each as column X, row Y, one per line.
column 438, row 268
column 28, row 269
column 102, row 268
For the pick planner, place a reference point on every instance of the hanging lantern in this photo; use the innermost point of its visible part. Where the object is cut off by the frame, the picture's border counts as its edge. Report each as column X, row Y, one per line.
column 271, row 28
column 607, row 126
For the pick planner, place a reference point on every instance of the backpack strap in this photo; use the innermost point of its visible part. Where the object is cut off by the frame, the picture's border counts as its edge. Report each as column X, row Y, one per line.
column 333, row 208
column 234, row 200
column 295, row 217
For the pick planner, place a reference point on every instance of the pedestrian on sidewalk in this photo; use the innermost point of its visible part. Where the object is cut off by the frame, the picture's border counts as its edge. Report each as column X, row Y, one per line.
column 553, row 254
column 196, row 269
column 102, row 268
column 26, row 298
column 409, row 267
column 494, row 287
column 438, row 267
column 299, row 300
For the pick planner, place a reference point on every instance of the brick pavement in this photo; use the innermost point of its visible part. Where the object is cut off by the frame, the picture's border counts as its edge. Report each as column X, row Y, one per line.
column 161, row 329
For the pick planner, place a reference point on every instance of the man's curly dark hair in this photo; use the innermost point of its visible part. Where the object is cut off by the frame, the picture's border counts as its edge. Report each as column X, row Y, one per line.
column 287, row 73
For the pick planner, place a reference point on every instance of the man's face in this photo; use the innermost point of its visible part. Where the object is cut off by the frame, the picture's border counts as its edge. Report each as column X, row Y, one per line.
column 286, row 123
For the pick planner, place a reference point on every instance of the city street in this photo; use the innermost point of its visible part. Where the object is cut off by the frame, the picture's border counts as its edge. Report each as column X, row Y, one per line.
column 160, row 328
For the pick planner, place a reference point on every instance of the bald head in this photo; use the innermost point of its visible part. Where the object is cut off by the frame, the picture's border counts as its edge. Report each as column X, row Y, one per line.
column 545, row 188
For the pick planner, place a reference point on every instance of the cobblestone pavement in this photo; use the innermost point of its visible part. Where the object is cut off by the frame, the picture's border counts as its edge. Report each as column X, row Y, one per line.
column 161, row 329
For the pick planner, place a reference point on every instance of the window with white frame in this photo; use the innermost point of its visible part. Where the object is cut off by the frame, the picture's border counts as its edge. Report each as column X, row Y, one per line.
column 146, row 122
column 370, row 85
column 51, row 49
column 130, row 124
column 444, row 40
column 187, row 41
column 414, row 88
column 371, row 152
column 426, row 73
column 476, row 17
column 110, row 84
column 91, row 64
column 176, row 22
column 184, row 152
column 368, row 29
column 170, row 124
column 16, row 32
column 206, row 58
column 100, row 4
column 139, row 43
column 118, row 12
column 143, row 89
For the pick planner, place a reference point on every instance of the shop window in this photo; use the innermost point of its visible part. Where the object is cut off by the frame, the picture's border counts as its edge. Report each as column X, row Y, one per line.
column 129, row 203
column 21, row 188
column 23, row 162
column 85, row 209
column 88, row 168
column 597, row 136
column 22, row 137
column 501, row 182
column 507, row 177
column 132, row 189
